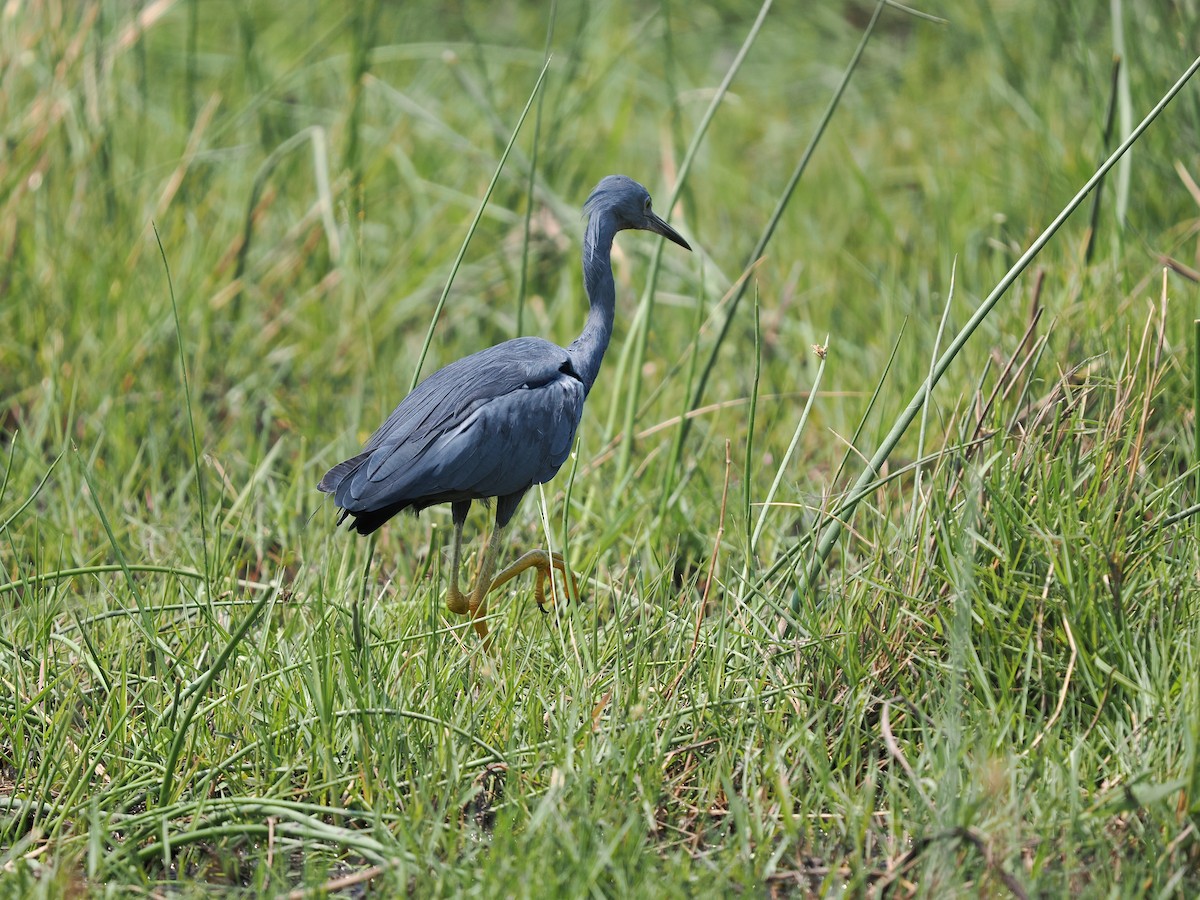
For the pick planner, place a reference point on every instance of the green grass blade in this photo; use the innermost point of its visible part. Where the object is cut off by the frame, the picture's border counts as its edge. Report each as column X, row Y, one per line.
column 785, row 462
column 633, row 354
column 462, row 251
column 202, row 511
column 780, row 206
column 196, row 691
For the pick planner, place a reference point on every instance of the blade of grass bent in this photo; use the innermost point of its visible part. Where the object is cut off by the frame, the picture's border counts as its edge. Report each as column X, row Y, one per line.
column 187, row 397
column 937, row 344
column 641, row 322
column 197, row 690
column 531, row 183
column 1196, row 396
column 780, row 206
column 462, row 251
column 791, row 449
column 834, row 529
column 33, row 496
column 751, row 421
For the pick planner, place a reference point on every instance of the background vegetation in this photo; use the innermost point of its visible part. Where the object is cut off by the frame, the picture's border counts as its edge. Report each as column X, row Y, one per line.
column 992, row 688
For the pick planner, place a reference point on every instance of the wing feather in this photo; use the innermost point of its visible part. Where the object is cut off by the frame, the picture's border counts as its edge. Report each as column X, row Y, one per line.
column 491, row 424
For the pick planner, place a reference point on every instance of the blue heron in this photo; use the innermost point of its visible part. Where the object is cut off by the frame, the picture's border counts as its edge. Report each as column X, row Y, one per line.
column 497, row 422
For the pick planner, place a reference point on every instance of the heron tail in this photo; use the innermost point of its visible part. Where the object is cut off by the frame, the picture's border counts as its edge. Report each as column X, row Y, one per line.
column 340, row 472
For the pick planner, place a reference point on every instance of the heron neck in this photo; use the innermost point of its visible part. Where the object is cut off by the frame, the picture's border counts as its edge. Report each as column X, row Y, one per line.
column 587, row 351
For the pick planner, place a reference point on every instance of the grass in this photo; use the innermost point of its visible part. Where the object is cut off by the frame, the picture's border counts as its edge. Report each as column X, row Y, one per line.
column 989, row 687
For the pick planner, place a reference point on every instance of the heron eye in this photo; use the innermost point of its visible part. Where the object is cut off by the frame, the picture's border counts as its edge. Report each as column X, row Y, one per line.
column 647, row 204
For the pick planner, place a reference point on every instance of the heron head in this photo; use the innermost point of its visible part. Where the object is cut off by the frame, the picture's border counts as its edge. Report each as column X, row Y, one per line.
column 629, row 203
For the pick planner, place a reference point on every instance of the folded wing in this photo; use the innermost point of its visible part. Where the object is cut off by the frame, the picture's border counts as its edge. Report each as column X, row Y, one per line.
column 490, row 425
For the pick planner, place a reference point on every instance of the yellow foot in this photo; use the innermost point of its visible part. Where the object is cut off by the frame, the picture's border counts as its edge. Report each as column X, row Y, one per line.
column 475, row 603
column 457, row 601
column 542, row 561
column 473, row 606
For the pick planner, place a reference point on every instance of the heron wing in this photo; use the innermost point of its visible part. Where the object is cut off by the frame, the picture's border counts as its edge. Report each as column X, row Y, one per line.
column 491, row 424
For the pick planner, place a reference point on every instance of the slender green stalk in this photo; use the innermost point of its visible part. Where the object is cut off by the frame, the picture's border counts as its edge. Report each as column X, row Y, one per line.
column 197, row 690
column 937, row 346
column 316, row 135
column 197, row 469
column 4, row 526
column 364, row 18
column 1176, row 517
column 12, row 452
column 781, row 205
column 1109, row 119
column 104, row 155
column 189, row 80
column 462, row 251
column 289, row 822
column 63, row 574
column 671, row 468
column 752, row 421
column 791, row 449
column 522, row 286
column 1124, row 109
column 852, row 451
column 636, row 349
column 1195, row 400
column 163, row 657
column 833, row 530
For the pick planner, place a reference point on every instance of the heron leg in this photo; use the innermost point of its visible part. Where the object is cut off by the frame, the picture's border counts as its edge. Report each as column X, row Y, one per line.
column 542, row 561
column 477, row 604
column 456, row 600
